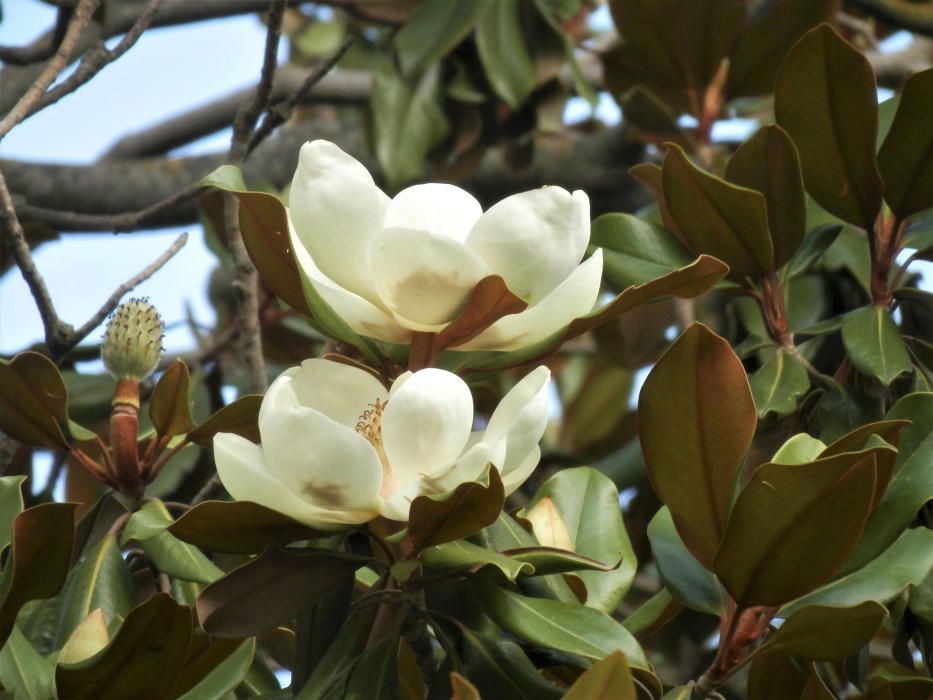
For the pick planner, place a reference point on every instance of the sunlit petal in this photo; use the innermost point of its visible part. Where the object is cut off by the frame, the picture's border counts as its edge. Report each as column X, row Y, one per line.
column 444, row 210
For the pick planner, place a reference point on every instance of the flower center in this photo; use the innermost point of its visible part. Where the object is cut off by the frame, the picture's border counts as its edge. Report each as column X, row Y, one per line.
column 370, row 427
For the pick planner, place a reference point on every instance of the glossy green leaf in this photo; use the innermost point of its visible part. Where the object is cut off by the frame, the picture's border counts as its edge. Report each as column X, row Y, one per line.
column 768, row 163
column 793, row 526
column 825, row 98
column 41, row 545
column 240, row 417
column 142, row 659
column 588, row 503
column 270, row 590
column 823, row 633
column 814, row 244
column 169, row 406
column 552, row 624
column 408, row 118
column 502, row 51
column 636, row 251
column 905, row 563
column 696, row 419
column 33, row 400
column 551, row 560
column 609, row 679
column 910, row 487
column 799, row 449
column 11, row 505
column 906, row 156
column 760, row 50
column 375, row 673
column 224, row 678
column 238, row 527
column 101, row 580
column 873, row 343
column 778, row 386
column 774, row 677
column 896, row 684
column 433, row 30
column 23, row 671
column 149, row 526
column 466, row 556
column 717, row 217
column 462, row 512
column 497, row 665
column 687, row 579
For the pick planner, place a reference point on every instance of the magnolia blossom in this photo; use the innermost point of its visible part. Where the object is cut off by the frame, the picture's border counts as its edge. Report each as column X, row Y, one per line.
column 392, row 266
column 338, row 448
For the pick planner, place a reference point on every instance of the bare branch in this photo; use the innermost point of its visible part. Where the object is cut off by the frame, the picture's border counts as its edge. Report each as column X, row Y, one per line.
column 24, row 106
column 904, row 14
column 42, row 48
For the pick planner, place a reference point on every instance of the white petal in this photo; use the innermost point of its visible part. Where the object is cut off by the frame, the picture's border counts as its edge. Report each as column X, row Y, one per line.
column 422, row 278
column 336, row 209
column 534, row 239
column 444, row 210
column 520, row 420
column 573, row 298
column 326, row 463
column 339, row 391
column 363, row 316
column 243, row 471
column 426, row 424
column 517, row 476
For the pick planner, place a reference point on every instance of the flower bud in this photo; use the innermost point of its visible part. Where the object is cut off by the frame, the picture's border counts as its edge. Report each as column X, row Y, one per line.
column 133, row 340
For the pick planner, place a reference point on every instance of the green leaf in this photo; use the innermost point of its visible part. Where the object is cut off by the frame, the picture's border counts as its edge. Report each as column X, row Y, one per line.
column 11, row 505
column 149, row 526
column 225, row 676
column 551, row 624
column 873, row 343
column 43, row 537
column 686, row 283
column 239, row 527
column 551, row 560
column 101, row 580
column 759, row 51
column 775, row 677
column 503, row 53
column 779, row 384
column 696, row 419
column 768, row 163
column 588, row 503
column 169, row 406
column 683, row 576
column 799, row 449
column 815, row 243
column 33, row 400
column 460, row 513
column 823, row 633
column 910, row 487
column 433, row 30
column 463, row 555
column 270, row 590
column 374, row 674
column 653, row 614
column 240, row 417
column 718, row 218
column 23, row 671
column 825, row 98
column 141, row 661
column 609, row 679
column 793, row 526
column 408, row 118
column 497, row 666
column 906, row 156
column 636, row 251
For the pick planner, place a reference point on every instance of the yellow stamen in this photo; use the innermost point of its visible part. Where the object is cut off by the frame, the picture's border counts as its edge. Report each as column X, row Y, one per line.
column 370, row 427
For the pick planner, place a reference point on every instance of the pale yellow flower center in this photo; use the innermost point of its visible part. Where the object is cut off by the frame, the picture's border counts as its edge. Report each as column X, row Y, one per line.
column 370, row 427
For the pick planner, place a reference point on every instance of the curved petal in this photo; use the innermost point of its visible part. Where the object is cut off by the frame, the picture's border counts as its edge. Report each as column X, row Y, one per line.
column 519, row 420
column 517, row 476
column 422, row 278
column 362, row 315
column 326, row 463
column 339, row 391
column 444, row 210
column 243, row 471
column 426, row 424
column 534, row 239
column 336, row 209
column 573, row 298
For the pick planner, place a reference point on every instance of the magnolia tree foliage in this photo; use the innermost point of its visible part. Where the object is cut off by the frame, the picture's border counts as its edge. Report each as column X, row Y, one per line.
column 453, row 487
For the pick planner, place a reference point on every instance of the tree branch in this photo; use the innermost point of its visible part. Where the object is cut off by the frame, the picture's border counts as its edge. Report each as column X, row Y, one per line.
column 42, row 48
column 914, row 17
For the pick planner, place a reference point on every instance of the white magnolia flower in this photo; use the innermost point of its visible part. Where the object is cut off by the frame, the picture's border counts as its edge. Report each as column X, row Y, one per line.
column 338, row 448
column 392, row 266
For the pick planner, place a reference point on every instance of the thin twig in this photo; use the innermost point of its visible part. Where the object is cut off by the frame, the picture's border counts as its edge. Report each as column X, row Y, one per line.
column 97, row 58
column 114, row 299
column 42, row 48
column 281, row 112
column 24, row 106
